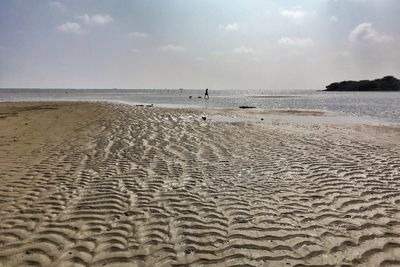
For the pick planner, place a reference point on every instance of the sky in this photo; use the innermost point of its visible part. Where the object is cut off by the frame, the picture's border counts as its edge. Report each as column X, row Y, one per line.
column 218, row 44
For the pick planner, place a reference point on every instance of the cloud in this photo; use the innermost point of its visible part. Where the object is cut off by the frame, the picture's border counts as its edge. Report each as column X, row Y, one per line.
column 70, row 27
column 334, row 18
column 233, row 27
column 366, row 33
column 341, row 54
column 294, row 14
column 218, row 53
column 56, row 4
column 300, row 42
column 135, row 51
column 172, row 48
column 96, row 20
column 243, row 50
column 138, row 35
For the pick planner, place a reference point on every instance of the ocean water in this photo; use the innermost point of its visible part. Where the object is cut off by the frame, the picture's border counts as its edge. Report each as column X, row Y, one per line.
column 382, row 106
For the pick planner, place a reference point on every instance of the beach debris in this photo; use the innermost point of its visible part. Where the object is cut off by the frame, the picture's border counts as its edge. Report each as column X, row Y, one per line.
column 241, row 220
column 128, row 213
column 204, row 118
column 189, row 250
column 147, row 105
column 246, row 107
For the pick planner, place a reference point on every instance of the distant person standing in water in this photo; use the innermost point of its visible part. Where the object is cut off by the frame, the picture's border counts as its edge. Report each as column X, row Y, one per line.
column 206, row 96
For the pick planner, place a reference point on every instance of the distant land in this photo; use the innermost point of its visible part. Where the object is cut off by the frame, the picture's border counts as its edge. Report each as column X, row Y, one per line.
column 387, row 83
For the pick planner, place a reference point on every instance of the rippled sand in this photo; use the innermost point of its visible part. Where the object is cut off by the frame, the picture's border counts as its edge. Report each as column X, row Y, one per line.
column 106, row 184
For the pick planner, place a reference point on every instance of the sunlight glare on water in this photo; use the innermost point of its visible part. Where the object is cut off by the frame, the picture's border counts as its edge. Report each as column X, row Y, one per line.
column 378, row 105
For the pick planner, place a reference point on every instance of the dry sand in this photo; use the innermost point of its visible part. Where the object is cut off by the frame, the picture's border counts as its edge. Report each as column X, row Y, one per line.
column 104, row 184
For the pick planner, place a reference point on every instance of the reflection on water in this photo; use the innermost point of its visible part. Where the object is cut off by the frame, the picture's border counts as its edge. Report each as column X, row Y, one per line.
column 379, row 105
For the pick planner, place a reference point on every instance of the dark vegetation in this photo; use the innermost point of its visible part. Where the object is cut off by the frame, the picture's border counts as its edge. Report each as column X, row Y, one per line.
column 387, row 83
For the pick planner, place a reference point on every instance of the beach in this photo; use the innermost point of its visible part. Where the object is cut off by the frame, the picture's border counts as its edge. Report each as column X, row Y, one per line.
column 102, row 184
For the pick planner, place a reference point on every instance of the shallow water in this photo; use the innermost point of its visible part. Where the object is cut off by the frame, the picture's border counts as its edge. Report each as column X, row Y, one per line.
column 383, row 106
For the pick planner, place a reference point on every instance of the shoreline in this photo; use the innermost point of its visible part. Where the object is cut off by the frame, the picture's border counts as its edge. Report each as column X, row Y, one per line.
column 332, row 117
column 381, row 107
column 93, row 184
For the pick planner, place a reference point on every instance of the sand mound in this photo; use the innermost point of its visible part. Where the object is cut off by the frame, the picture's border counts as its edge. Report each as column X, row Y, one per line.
column 127, row 186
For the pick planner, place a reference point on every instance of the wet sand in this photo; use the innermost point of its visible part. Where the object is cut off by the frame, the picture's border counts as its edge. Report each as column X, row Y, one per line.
column 273, row 96
column 114, row 185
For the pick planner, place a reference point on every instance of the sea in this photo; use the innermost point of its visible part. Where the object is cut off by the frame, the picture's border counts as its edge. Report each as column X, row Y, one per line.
column 379, row 106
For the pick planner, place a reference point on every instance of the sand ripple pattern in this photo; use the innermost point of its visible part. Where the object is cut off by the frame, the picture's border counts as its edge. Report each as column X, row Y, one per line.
column 158, row 187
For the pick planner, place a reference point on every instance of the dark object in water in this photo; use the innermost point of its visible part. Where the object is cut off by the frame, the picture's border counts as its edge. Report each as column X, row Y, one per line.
column 199, row 97
column 149, row 106
column 204, row 118
column 140, row 105
column 387, row 83
column 190, row 97
column 246, row 107
column 262, row 119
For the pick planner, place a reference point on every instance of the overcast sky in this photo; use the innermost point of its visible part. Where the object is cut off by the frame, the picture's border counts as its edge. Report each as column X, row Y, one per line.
column 220, row 44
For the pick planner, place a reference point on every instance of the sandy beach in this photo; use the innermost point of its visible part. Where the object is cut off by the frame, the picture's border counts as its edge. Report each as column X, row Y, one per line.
column 97, row 184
